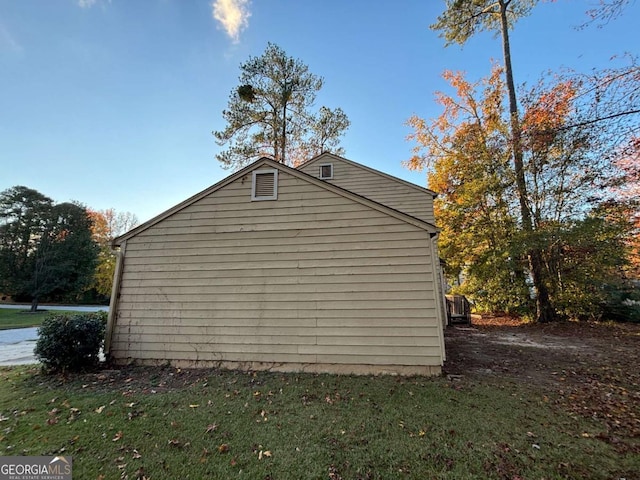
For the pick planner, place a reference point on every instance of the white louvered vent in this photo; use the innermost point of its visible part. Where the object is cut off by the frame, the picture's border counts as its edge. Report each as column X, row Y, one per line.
column 265, row 185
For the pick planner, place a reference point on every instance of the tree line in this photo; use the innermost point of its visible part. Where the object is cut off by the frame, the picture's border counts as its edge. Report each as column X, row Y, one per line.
column 58, row 252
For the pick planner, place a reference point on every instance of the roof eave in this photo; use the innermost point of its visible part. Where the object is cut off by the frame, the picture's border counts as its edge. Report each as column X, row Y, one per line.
column 194, row 198
column 372, row 170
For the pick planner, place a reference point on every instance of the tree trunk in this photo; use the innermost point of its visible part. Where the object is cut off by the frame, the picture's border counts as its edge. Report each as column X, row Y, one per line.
column 34, row 305
column 284, row 127
column 544, row 310
column 276, row 136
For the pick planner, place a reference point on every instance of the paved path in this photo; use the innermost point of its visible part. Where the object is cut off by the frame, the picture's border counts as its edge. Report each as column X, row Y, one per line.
column 73, row 308
column 16, row 345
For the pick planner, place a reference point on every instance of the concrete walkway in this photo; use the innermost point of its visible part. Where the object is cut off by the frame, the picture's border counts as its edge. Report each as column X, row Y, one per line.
column 16, row 345
column 73, row 308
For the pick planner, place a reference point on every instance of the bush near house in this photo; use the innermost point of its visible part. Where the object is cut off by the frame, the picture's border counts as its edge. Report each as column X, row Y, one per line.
column 70, row 342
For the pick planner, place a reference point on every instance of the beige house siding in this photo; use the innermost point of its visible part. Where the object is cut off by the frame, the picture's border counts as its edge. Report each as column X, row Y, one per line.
column 310, row 281
column 377, row 186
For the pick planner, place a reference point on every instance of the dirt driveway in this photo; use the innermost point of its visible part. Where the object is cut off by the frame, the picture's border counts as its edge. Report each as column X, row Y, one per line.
column 591, row 369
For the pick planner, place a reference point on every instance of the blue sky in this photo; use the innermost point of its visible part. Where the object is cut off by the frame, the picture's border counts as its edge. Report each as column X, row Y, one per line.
column 112, row 102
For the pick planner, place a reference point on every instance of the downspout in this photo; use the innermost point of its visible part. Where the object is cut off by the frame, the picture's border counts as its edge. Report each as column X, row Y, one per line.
column 115, row 296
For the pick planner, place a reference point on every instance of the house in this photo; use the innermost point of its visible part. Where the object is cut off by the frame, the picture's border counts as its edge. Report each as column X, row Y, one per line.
column 330, row 267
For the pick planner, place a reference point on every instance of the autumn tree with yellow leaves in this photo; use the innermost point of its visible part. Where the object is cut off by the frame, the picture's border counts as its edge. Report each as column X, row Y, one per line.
column 573, row 173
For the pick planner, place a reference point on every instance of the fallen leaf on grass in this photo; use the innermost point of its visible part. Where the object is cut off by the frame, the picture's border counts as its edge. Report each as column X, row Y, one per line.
column 117, row 437
column 203, row 457
column 73, row 415
column 136, row 454
column 224, row 448
column 99, row 409
column 333, row 473
column 140, row 474
column 134, row 414
column 261, row 454
column 211, row 428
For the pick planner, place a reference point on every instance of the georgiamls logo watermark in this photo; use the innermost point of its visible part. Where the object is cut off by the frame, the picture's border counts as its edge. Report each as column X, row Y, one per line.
column 36, row 468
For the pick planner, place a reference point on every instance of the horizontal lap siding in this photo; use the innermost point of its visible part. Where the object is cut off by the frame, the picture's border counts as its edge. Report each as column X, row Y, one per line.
column 378, row 188
column 247, row 334
column 311, row 277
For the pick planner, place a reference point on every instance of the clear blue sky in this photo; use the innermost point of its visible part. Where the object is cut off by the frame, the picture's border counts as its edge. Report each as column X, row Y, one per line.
column 112, row 102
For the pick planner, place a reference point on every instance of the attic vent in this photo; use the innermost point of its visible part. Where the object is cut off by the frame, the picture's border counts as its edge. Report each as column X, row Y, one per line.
column 264, row 185
column 326, row 171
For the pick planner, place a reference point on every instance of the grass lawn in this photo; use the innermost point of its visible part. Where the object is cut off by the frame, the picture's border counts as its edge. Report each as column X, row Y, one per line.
column 164, row 423
column 17, row 318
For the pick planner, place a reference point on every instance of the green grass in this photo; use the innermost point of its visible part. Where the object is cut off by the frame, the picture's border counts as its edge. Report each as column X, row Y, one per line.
column 18, row 318
column 169, row 424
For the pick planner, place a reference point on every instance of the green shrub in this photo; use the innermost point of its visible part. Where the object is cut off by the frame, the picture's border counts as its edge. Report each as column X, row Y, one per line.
column 70, row 342
column 622, row 304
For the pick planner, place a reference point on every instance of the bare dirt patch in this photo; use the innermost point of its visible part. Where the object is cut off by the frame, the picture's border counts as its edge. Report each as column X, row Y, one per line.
column 590, row 369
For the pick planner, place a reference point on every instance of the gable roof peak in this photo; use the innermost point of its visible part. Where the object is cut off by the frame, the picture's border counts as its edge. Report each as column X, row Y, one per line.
column 280, row 166
column 325, row 155
column 318, row 157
